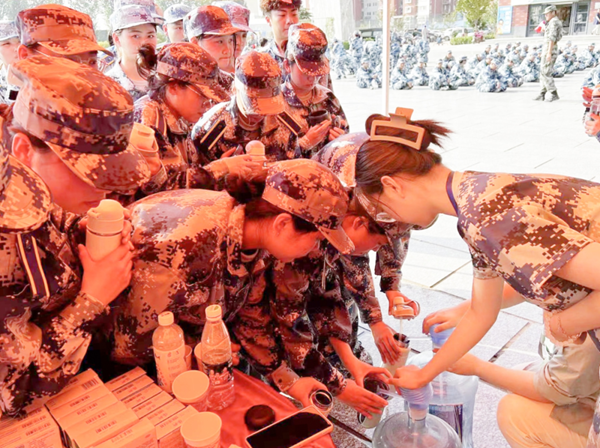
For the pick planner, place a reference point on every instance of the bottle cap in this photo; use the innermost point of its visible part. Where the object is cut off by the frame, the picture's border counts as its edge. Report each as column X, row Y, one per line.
column 255, row 148
column 214, row 312
column 165, row 319
column 144, row 140
column 202, row 430
column 191, row 387
column 107, row 218
column 259, row 417
column 440, row 338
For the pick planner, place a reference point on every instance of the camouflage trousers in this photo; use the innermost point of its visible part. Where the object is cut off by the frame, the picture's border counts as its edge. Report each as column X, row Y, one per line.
column 546, row 71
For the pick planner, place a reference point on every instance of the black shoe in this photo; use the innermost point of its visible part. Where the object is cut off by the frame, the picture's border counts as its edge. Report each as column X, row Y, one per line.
column 540, row 97
column 554, row 97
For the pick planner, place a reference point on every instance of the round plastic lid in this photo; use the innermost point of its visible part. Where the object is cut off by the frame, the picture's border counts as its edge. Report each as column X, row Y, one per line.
column 107, row 218
column 165, row 319
column 255, row 148
column 440, row 338
column 191, row 386
column 202, row 428
column 214, row 312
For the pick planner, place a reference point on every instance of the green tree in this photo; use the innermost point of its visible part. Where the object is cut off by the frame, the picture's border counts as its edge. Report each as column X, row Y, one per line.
column 476, row 12
column 305, row 15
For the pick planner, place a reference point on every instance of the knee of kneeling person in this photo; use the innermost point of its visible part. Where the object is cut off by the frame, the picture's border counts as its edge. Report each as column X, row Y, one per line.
column 510, row 415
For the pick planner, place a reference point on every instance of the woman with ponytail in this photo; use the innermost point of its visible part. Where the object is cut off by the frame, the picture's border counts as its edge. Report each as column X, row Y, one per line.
column 538, row 233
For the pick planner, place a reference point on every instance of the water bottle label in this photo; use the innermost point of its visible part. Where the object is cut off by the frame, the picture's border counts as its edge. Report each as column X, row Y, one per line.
column 451, row 414
column 219, row 373
column 169, row 364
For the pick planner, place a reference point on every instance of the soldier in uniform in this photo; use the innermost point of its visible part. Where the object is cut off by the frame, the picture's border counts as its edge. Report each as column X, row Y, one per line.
column 538, row 233
column 399, row 79
column 423, row 48
column 509, row 77
column 419, row 74
column 173, row 26
column 133, row 26
column 306, row 63
column 439, row 78
column 459, row 76
column 53, row 292
column 367, row 78
column 449, row 60
column 240, row 18
column 210, row 28
column 184, row 84
column 589, row 58
column 474, row 65
column 218, row 254
column 256, row 112
column 552, row 34
column 356, row 49
column 489, row 80
column 9, row 44
column 529, row 69
column 280, row 15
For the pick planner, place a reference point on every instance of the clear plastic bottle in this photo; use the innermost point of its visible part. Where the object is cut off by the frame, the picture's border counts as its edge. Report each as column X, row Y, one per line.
column 168, row 342
column 453, row 395
column 216, row 360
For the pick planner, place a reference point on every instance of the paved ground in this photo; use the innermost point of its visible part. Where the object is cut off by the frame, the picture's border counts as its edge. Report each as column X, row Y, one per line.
column 505, row 132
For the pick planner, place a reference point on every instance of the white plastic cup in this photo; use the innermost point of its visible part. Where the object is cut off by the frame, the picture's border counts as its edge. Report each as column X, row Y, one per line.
column 188, row 357
column 191, row 388
column 202, row 431
column 370, row 423
column 198, row 356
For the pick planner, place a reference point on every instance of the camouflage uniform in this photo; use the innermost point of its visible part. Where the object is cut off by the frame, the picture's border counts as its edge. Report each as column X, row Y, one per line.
column 489, row 80
column 221, row 129
column 46, row 319
column 552, row 33
column 399, row 79
column 8, row 30
column 419, row 74
column 440, row 79
column 593, row 78
column 529, row 69
column 367, row 78
column 306, row 48
column 123, row 18
column 356, row 49
column 423, row 48
column 509, row 77
column 589, row 58
column 459, row 76
column 187, row 63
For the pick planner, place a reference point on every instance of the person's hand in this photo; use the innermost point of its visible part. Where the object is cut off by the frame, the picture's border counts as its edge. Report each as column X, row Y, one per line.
column 127, row 227
column 229, row 153
column 245, row 166
column 105, row 279
column 467, row 365
column 587, row 96
column 386, row 344
column 360, row 370
column 592, row 125
column 446, row 318
column 395, row 297
column 409, row 377
column 317, row 134
column 154, row 163
column 549, row 57
column 335, row 133
column 235, row 353
column 303, row 388
column 365, row 402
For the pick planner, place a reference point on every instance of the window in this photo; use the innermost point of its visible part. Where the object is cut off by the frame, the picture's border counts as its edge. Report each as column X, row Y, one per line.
column 408, row 9
column 408, row 1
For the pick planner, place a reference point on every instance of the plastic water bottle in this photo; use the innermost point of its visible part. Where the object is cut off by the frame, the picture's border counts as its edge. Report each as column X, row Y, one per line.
column 104, row 227
column 216, row 359
column 453, row 395
column 415, row 428
column 168, row 342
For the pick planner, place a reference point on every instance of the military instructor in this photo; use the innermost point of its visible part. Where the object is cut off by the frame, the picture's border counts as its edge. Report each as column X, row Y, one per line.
column 552, row 34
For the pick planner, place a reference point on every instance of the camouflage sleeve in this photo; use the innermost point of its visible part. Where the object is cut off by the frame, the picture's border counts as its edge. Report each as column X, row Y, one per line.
column 555, row 32
column 38, row 360
column 530, row 243
column 358, row 283
column 390, row 261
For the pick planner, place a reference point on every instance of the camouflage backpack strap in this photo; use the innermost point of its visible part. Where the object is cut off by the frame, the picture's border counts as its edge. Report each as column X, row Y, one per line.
column 213, row 135
column 32, row 263
column 290, row 122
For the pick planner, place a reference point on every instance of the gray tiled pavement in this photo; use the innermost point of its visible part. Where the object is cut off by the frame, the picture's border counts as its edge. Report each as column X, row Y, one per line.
column 492, row 132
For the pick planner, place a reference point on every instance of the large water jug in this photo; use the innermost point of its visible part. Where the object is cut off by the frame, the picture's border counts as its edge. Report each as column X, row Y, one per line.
column 415, row 428
column 453, row 395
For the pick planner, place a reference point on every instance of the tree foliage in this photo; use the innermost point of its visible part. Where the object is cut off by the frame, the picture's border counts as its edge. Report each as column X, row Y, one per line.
column 476, row 12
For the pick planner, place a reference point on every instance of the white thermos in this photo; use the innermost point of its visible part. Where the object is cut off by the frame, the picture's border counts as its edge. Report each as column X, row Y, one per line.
column 255, row 148
column 104, row 227
column 144, row 140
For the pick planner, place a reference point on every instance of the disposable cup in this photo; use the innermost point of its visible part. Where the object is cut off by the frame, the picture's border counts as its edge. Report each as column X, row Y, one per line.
column 198, row 356
column 202, row 431
column 191, row 388
column 188, row 356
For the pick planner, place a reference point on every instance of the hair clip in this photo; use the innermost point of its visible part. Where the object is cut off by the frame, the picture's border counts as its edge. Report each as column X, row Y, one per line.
column 412, row 135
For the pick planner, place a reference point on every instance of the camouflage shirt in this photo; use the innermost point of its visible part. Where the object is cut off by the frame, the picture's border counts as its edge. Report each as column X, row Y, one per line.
column 136, row 90
column 553, row 32
column 524, row 228
column 43, row 336
column 322, row 99
column 219, row 131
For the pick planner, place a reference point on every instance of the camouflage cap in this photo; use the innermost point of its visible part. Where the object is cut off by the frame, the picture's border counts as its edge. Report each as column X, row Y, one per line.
column 549, row 9
column 271, row 5
column 312, row 192
column 8, row 30
column 61, row 30
column 84, row 117
column 307, row 45
column 132, row 15
column 176, row 13
column 24, row 197
column 238, row 14
column 148, row 4
column 209, row 20
column 192, row 64
column 258, row 84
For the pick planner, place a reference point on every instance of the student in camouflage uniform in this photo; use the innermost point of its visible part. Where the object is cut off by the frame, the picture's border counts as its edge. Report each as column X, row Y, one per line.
column 489, row 80
column 9, row 44
column 133, row 26
column 356, row 49
column 184, row 84
column 538, row 233
column 419, row 74
column 50, row 300
column 367, row 78
column 306, row 63
column 449, row 60
column 256, row 112
column 509, row 77
column 459, row 75
column 399, row 79
column 529, row 69
column 74, row 31
column 280, row 15
column 423, row 49
column 438, row 79
column 589, row 57
column 210, row 28
column 240, row 18
column 552, row 34
column 173, row 26
column 220, row 257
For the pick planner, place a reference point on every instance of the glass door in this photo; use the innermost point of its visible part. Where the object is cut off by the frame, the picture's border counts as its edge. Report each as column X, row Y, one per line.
column 536, row 16
column 582, row 11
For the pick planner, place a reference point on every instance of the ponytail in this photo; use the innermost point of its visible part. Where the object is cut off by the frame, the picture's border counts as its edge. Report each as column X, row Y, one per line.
column 147, row 60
